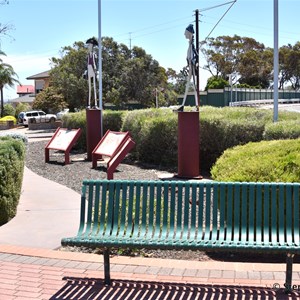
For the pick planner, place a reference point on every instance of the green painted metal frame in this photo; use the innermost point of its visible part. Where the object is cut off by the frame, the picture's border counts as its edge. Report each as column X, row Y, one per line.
column 183, row 215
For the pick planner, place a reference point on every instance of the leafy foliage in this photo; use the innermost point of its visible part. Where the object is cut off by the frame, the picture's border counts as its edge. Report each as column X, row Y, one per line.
column 266, row 161
column 216, row 82
column 128, row 76
column 252, row 61
column 49, row 100
column 8, row 77
column 289, row 129
column 22, row 107
column 12, row 156
column 8, row 110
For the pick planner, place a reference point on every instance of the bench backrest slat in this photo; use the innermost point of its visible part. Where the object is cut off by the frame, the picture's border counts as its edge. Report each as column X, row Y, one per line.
column 266, row 211
column 191, row 211
column 296, row 215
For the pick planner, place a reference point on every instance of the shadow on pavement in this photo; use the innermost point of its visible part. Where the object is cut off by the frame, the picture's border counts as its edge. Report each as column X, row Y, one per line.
column 89, row 288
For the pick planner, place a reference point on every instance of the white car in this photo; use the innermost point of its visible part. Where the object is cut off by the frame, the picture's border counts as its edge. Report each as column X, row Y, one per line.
column 60, row 114
column 35, row 116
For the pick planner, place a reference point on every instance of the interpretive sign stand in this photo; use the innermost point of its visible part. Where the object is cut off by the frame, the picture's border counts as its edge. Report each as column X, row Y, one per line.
column 63, row 139
column 114, row 146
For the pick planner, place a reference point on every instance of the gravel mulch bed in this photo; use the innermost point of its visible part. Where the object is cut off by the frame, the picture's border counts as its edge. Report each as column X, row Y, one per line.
column 72, row 175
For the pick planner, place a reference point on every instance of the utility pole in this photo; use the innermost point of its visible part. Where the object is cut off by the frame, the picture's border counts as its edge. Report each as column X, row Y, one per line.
column 197, row 50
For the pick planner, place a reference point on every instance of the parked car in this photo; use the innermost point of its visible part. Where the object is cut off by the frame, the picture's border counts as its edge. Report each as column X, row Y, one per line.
column 35, row 116
column 60, row 114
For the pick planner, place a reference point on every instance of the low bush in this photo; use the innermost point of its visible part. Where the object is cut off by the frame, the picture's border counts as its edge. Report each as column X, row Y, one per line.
column 155, row 134
column 75, row 121
column 223, row 128
column 12, row 156
column 289, row 129
column 265, row 161
column 15, row 135
column 111, row 120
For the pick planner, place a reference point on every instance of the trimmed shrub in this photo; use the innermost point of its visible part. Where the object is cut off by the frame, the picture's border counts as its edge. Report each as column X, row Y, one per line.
column 16, row 136
column 283, row 130
column 138, row 123
column 75, row 121
column 223, row 128
column 158, row 141
column 111, row 120
column 266, row 161
column 12, row 156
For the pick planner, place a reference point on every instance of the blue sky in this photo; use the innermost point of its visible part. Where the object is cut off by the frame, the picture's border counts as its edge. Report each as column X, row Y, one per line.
column 42, row 28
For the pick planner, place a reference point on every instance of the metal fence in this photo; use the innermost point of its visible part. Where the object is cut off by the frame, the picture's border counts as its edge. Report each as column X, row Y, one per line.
column 237, row 96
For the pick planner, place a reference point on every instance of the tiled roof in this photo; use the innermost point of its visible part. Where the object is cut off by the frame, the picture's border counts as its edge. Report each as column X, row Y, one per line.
column 39, row 75
column 25, row 89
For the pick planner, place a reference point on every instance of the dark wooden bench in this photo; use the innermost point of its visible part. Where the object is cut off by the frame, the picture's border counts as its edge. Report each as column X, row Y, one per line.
column 198, row 215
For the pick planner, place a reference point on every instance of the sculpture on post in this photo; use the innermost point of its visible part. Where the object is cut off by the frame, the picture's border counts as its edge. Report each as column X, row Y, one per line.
column 192, row 65
column 92, row 70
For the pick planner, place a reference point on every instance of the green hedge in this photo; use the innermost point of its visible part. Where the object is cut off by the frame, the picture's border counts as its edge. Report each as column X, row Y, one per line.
column 265, row 161
column 12, row 156
column 155, row 134
column 282, row 130
column 155, row 131
column 111, row 120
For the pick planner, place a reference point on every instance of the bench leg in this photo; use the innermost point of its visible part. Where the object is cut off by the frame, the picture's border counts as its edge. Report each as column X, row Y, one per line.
column 106, row 266
column 289, row 271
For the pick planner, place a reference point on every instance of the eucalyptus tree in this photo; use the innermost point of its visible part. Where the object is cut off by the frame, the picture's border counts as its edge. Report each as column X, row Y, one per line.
column 252, row 60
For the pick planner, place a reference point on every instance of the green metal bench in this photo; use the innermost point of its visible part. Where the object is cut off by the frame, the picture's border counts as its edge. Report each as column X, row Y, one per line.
column 208, row 216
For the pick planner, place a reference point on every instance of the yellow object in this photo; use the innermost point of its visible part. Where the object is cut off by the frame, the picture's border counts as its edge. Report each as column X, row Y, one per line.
column 9, row 118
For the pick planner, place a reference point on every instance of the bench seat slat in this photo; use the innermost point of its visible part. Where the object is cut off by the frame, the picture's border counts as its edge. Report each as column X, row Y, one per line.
column 214, row 216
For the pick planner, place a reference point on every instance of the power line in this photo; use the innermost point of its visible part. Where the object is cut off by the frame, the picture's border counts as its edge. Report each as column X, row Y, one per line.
column 232, row 3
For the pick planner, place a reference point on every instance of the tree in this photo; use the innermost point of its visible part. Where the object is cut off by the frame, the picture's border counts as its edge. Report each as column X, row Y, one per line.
column 289, row 60
column 216, row 82
column 49, row 100
column 7, row 78
column 66, row 76
column 128, row 75
column 225, row 55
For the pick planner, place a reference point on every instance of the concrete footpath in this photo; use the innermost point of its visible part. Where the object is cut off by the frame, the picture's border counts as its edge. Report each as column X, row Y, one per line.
column 47, row 211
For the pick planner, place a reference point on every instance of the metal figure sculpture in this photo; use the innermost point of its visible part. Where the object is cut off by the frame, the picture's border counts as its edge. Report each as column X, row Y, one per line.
column 192, row 59
column 92, row 69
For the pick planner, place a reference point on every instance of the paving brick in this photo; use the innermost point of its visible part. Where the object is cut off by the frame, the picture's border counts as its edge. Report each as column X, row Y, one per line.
column 165, row 271
column 228, row 274
column 26, row 295
column 215, row 274
column 117, row 268
column 203, row 273
column 141, row 270
column 190, row 272
column 241, row 274
column 177, row 272
column 254, row 275
column 279, row 275
column 153, row 270
column 266, row 275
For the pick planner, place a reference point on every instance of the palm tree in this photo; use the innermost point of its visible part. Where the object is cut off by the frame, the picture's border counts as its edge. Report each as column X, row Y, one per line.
column 7, row 77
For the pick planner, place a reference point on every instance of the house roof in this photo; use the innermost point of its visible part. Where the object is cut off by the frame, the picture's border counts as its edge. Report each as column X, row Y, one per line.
column 29, row 98
column 42, row 75
column 25, row 89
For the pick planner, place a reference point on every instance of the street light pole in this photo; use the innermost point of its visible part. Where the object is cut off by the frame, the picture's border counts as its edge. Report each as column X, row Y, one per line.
column 100, row 66
column 276, row 61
